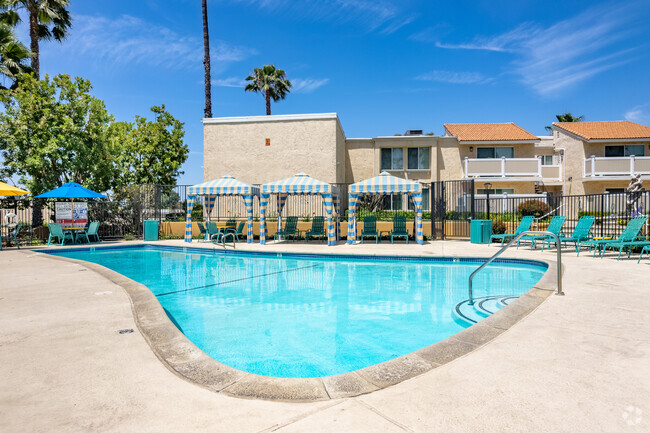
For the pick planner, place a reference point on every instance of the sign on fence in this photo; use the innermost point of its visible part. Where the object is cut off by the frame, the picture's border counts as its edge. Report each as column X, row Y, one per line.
column 70, row 214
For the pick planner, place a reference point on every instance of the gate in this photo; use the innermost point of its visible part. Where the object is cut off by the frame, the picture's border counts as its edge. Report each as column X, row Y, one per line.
column 452, row 208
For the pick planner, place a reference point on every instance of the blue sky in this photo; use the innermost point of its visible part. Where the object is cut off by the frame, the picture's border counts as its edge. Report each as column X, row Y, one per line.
column 384, row 66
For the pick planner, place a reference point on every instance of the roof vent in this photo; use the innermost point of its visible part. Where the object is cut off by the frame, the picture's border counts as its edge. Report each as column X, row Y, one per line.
column 413, row 132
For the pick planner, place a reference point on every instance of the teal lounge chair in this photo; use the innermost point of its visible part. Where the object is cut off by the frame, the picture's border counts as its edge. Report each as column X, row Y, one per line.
column 57, row 232
column 91, row 233
column 240, row 231
column 555, row 226
column 624, row 240
column 370, row 228
column 290, row 229
column 524, row 226
column 645, row 249
column 399, row 228
column 580, row 234
column 204, row 232
column 317, row 229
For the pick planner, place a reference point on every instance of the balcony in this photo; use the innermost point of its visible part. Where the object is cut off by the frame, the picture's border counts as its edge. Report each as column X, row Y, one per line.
column 512, row 169
column 612, row 167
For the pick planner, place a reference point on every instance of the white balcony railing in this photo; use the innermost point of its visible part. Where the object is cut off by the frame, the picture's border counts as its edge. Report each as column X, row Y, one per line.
column 511, row 168
column 617, row 166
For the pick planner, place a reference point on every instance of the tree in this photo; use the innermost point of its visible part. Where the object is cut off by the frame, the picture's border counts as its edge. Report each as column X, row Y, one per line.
column 151, row 152
column 53, row 132
column 566, row 117
column 13, row 55
column 272, row 83
column 48, row 19
column 207, row 113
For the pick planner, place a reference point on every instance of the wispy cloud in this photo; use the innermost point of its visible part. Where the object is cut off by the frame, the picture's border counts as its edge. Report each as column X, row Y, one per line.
column 307, row 85
column 384, row 16
column 229, row 82
column 552, row 59
column 639, row 114
column 131, row 40
column 454, row 77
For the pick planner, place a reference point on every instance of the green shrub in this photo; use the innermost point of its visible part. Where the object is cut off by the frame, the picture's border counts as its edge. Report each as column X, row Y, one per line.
column 197, row 212
column 129, row 237
column 534, row 208
column 388, row 215
column 498, row 228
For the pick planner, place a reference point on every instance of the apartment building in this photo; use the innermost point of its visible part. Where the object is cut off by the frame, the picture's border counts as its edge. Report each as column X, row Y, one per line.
column 579, row 158
column 602, row 156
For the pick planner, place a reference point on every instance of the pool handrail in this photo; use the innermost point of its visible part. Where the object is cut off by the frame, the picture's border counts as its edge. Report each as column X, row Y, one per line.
column 505, row 247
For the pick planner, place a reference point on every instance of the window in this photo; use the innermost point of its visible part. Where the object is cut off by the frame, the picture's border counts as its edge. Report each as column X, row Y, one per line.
column 495, row 152
column 628, row 150
column 547, row 159
column 426, row 196
column 418, row 158
column 496, row 191
column 391, row 159
column 615, row 190
column 392, row 202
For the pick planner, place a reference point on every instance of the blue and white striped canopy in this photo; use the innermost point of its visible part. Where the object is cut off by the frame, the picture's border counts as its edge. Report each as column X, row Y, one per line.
column 385, row 183
column 227, row 185
column 299, row 184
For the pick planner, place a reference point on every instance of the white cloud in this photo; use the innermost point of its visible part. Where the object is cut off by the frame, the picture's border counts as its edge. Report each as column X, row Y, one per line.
column 639, row 114
column 552, row 59
column 131, row 40
column 229, row 82
column 307, row 85
column 454, row 77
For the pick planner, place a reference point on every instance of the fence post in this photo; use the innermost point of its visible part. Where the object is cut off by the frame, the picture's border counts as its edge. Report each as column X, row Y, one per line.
column 602, row 214
column 472, row 208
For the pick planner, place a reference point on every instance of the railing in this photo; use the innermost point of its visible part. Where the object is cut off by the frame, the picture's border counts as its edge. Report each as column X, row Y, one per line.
column 510, row 167
column 616, row 166
column 505, row 247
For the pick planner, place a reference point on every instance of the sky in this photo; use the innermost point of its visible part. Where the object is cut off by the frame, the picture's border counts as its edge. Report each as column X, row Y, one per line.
column 384, row 66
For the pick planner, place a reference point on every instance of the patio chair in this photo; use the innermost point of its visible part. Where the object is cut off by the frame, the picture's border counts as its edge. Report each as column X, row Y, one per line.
column 646, row 250
column 555, row 226
column 203, row 232
column 240, row 230
column 90, row 233
column 317, row 229
column 524, row 226
column 399, row 228
column 57, row 232
column 290, row 229
column 370, row 228
column 231, row 226
column 13, row 236
column 214, row 233
column 580, row 233
column 626, row 239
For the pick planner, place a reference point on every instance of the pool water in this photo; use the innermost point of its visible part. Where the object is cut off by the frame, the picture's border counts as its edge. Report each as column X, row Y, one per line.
column 289, row 315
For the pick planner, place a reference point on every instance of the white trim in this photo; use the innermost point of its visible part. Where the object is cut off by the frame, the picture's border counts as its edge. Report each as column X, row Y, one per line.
column 502, row 142
column 272, row 118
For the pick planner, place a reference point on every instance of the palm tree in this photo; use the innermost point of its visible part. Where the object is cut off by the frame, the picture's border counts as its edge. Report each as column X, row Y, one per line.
column 566, row 117
column 207, row 113
column 48, row 19
column 272, row 83
column 13, row 55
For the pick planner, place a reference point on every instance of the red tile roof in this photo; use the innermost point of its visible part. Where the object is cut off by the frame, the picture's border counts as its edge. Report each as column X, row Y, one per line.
column 622, row 129
column 489, row 132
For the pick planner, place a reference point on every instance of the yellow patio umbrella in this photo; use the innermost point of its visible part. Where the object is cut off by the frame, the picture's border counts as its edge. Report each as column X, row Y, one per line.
column 6, row 189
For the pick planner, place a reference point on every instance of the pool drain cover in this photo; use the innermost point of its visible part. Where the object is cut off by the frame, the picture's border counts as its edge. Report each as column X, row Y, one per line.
column 125, row 331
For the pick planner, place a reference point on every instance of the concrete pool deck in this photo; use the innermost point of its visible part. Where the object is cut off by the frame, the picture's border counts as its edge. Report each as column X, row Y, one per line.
column 577, row 363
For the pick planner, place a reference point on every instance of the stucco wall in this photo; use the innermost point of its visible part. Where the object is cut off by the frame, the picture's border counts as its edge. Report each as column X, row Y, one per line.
column 239, row 148
column 359, row 160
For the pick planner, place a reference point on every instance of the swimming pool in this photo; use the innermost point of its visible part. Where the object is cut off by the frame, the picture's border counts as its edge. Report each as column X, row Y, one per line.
column 287, row 315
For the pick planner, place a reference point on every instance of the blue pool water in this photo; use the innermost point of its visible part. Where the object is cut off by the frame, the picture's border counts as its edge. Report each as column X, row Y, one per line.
column 306, row 316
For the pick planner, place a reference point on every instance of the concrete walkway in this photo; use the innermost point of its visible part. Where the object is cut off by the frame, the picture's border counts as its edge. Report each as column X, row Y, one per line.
column 579, row 363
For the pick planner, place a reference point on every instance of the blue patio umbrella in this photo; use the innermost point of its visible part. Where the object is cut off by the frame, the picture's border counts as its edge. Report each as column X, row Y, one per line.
column 72, row 191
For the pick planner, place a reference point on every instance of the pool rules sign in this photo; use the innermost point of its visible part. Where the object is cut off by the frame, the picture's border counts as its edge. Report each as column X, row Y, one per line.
column 70, row 214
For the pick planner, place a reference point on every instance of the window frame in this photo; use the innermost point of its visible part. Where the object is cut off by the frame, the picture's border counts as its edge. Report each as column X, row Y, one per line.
column 419, row 149
column 392, row 159
column 494, row 151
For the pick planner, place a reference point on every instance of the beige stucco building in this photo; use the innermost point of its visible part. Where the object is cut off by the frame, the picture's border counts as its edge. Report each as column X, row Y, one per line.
column 509, row 159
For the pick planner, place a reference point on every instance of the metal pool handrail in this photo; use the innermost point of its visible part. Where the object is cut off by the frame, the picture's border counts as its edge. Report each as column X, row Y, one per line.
column 505, row 247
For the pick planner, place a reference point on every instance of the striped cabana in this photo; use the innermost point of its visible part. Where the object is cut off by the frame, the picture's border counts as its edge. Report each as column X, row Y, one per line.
column 227, row 185
column 384, row 184
column 300, row 184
